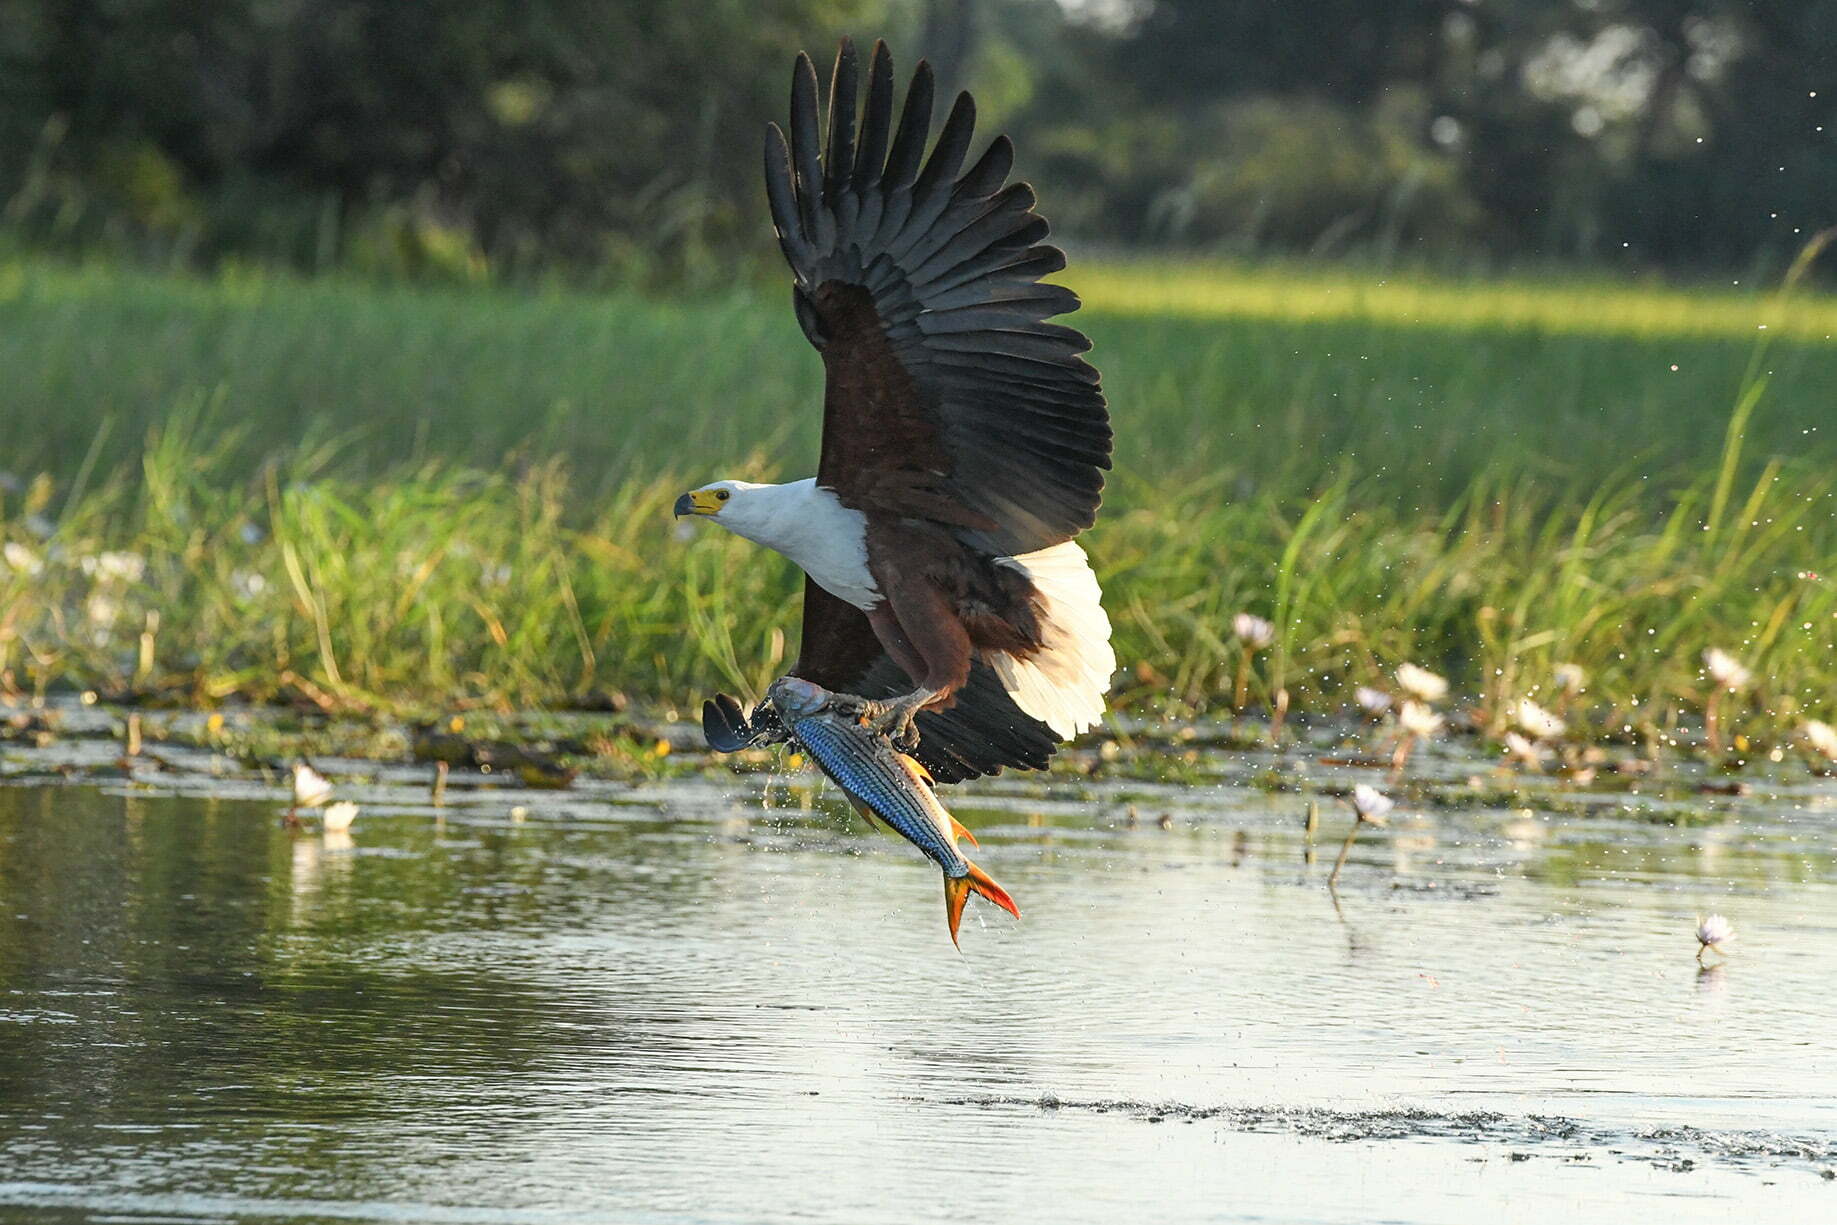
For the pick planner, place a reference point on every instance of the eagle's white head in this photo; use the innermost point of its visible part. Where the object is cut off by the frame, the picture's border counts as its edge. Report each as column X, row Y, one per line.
column 788, row 518
column 800, row 519
column 742, row 507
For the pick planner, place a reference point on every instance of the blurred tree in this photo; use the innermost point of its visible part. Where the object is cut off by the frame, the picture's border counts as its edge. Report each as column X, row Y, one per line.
column 1735, row 151
column 947, row 38
column 417, row 137
column 1681, row 132
column 1350, row 51
column 619, row 137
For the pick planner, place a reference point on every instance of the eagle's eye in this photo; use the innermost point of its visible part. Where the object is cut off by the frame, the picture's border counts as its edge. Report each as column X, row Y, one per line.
column 721, row 495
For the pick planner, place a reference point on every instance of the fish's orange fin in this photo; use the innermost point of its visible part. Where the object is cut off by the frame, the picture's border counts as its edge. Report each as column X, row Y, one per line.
column 956, row 892
column 867, row 814
column 962, row 831
column 984, row 885
column 918, row 767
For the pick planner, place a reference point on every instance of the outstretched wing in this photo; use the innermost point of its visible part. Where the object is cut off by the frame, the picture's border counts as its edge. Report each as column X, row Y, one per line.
column 983, row 730
column 948, row 396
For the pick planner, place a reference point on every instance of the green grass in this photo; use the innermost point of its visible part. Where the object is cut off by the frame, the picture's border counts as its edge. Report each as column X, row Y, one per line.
column 388, row 497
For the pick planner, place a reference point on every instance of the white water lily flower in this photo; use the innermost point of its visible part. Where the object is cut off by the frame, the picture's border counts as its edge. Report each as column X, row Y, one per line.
column 1253, row 631
column 20, row 558
column 1422, row 683
column 1821, row 736
column 1371, row 701
column 101, row 610
column 126, row 567
column 1570, row 678
column 1523, row 749
column 1371, row 804
column 1418, row 720
column 310, row 788
column 248, row 583
column 1714, row 931
column 1538, row 722
column 1726, row 670
column 339, row 815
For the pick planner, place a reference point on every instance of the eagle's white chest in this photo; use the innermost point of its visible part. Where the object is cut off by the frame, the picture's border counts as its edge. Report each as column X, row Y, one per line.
column 833, row 552
column 809, row 525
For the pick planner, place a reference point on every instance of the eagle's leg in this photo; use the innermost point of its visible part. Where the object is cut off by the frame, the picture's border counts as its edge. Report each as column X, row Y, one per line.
column 931, row 646
column 895, row 717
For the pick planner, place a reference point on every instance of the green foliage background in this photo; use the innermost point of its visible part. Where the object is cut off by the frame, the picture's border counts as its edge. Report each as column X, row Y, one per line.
column 612, row 140
column 261, row 487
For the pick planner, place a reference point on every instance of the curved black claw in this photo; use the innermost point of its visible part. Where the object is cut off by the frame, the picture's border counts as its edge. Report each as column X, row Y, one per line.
column 724, row 724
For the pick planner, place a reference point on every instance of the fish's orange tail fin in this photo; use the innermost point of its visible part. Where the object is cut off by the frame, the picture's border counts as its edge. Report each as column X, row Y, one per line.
column 957, row 890
column 985, row 886
column 962, row 831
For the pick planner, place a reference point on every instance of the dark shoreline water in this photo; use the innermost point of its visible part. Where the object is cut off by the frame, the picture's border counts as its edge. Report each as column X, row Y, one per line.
column 720, row 999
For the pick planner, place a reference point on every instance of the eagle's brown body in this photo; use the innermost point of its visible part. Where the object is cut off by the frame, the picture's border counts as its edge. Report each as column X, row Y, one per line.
column 965, row 434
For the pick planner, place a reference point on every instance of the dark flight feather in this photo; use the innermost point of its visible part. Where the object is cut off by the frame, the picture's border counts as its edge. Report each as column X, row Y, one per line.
column 871, row 157
column 914, row 130
column 949, row 399
column 839, row 153
column 920, row 282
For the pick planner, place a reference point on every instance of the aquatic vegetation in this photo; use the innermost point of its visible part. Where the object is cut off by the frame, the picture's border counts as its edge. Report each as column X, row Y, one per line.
column 1524, row 750
column 355, row 499
column 1416, row 722
column 338, row 815
column 1370, row 804
column 1253, row 634
column 1536, row 722
column 1712, row 933
column 1728, row 672
column 1821, row 738
column 1369, row 807
column 1727, row 676
column 1253, row 631
column 1422, row 684
column 310, row 788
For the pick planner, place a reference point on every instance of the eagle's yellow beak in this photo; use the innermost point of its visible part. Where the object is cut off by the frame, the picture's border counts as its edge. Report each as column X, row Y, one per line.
column 700, row 502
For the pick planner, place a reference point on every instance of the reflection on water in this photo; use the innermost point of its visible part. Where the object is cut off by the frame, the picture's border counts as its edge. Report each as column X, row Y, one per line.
column 675, row 1004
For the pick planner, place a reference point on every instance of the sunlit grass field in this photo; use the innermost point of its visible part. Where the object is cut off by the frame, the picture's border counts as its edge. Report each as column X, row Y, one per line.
column 1573, row 306
column 386, row 497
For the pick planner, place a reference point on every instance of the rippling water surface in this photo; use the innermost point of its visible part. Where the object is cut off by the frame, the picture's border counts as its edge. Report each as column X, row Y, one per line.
column 674, row 1003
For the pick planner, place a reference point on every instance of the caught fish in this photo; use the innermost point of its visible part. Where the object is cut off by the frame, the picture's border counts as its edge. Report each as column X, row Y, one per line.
column 882, row 782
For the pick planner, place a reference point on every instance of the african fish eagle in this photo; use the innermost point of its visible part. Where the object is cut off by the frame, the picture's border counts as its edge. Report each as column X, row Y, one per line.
column 964, row 439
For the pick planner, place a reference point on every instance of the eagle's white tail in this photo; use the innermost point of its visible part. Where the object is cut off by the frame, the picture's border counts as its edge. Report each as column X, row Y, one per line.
column 1063, row 684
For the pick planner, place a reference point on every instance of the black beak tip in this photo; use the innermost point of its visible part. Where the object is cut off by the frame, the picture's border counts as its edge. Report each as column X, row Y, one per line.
column 684, row 506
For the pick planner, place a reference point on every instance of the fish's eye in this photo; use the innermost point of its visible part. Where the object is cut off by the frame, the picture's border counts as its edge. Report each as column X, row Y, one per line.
column 721, row 495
